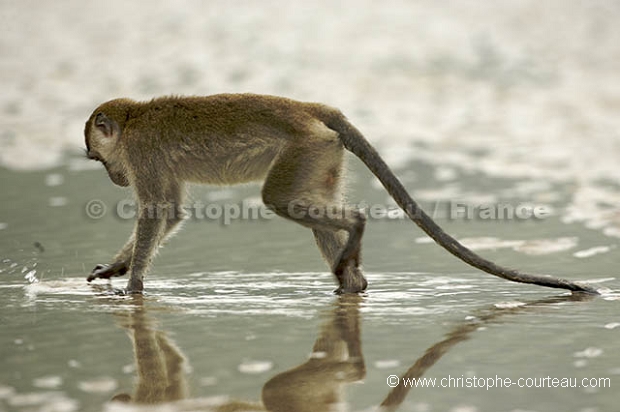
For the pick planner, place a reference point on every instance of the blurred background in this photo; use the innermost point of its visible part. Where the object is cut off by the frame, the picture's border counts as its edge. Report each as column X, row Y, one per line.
column 521, row 89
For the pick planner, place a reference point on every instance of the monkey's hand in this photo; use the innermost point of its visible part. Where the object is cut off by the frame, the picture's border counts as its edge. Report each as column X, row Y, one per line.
column 107, row 271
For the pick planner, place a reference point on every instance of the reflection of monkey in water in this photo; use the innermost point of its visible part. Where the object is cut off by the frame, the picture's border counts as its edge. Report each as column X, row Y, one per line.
column 295, row 148
column 459, row 334
column 159, row 362
column 161, row 366
column 316, row 385
column 336, row 360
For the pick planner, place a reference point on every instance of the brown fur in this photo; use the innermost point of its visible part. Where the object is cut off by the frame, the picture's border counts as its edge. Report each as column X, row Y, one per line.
column 295, row 148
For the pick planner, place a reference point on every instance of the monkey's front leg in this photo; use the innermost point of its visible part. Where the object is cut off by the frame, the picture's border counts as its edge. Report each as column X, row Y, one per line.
column 119, row 267
column 123, row 258
column 108, row 270
column 148, row 233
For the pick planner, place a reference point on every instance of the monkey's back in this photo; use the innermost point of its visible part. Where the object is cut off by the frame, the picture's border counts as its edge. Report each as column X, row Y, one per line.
column 219, row 139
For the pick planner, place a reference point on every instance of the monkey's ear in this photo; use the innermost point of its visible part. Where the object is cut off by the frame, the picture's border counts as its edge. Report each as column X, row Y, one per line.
column 105, row 124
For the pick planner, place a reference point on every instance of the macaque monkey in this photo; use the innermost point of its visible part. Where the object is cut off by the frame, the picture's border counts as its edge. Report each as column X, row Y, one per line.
column 295, row 148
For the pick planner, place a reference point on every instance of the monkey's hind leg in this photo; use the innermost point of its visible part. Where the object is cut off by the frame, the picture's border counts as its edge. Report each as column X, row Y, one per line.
column 303, row 186
column 332, row 244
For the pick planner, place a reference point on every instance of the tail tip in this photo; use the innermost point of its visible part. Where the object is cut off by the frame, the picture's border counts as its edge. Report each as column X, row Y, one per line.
column 587, row 289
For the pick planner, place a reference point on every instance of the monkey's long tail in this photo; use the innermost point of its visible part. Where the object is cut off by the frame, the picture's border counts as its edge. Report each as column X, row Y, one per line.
column 356, row 143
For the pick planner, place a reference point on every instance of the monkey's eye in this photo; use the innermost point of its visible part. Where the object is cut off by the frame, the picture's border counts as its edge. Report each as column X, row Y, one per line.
column 93, row 156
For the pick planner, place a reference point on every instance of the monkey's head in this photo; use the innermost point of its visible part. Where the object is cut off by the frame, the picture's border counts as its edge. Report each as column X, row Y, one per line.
column 103, row 132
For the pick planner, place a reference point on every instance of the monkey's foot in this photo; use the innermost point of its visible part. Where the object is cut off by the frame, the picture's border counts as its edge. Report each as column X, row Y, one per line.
column 132, row 292
column 120, row 292
column 134, row 287
column 343, row 291
column 114, row 292
column 107, row 271
column 351, row 281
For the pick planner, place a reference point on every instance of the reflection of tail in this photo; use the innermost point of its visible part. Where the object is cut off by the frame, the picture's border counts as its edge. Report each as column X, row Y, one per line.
column 430, row 357
column 356, row 143
column 461, row 333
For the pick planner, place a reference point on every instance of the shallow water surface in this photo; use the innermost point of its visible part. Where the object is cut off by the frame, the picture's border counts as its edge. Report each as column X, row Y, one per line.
column 242, row 315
